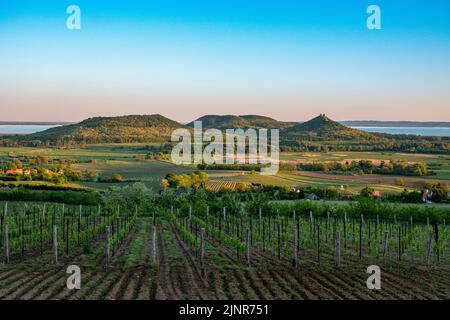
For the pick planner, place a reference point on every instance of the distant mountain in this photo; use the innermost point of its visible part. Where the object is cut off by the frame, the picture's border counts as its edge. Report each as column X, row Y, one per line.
column 223, row 122
column 323, row 128
column 401, row 124
column 131, row 128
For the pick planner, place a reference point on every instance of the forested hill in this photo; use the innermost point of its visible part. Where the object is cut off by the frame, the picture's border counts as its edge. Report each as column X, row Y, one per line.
column 324, row 134
column 323, row 128
column 223, row 122
column 318, row 134
column 124, row 129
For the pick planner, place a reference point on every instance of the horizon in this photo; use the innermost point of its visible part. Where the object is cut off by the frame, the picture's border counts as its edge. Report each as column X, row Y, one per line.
column 185, row 60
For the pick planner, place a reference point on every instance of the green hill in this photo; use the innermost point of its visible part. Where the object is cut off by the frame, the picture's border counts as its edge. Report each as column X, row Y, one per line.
column 124, row 129
column 323, row 128
column 318, row 134
column 223, row 122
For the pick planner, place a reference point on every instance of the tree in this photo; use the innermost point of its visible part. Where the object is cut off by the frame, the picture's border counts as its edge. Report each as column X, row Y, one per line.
column 116, row 177
column 440, row 192
column 165, row 184
column 60, row 179
column 367, row 192
column 399, row 182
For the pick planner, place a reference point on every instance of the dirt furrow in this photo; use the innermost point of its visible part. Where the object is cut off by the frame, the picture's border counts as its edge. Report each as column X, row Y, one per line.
column 191, row 270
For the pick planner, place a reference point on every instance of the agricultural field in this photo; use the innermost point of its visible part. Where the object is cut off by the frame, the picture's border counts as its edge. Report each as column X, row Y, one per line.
column 125, row 160
column 105, row 160
column 439, row 163
column 150, row 172
column 180, row 253
column 294, row 179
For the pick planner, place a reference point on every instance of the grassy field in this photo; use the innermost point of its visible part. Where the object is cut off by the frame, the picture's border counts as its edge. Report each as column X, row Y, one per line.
column 132, row 169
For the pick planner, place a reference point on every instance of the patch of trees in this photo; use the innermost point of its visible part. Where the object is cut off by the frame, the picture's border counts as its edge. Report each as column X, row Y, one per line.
column 61, row 196
column 113, row 179
column 397, row 143
column 368, row 167
column 43, row 169
column 191, row 180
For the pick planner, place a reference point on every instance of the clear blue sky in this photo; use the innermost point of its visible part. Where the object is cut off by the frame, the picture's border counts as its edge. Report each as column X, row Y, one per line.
column 287, row 59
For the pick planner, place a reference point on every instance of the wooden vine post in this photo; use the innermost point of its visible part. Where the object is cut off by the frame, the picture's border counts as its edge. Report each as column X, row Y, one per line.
column 247, row 245
column 428, row 249
column 279, row 240
column 202, row 245
column 6, row 242
column 436, row 240
column 326, row 226
column 345, row 229
column 338, row 249
column 108, row 245
column 295, row 247
column 385, row 246
column 318, row 243
column 55, row 244
column 259, row 223
column 67, row 236
column 360, row 236
column 154, row 243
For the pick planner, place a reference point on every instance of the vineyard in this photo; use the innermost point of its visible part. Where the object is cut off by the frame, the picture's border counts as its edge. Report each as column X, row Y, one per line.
column 183, row 252
column 216, row 186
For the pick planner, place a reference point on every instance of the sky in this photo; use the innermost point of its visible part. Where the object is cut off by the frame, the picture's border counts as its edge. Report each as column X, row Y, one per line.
column 290, row 60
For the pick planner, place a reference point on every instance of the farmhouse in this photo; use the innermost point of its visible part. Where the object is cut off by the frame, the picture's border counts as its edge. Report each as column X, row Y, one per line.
column 427, row 195
column 14, row 171
column 376, row 194
column 312, row 197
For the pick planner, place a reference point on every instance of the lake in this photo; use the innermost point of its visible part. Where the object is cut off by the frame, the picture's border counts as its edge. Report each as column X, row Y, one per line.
column 421, row 131
column 23, row 129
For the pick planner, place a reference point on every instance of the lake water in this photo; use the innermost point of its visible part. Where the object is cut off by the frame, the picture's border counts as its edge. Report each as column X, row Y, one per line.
column 23, row 129
column 421, row 131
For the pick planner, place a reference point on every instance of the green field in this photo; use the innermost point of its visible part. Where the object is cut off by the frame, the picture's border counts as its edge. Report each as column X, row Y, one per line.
column 108, row 159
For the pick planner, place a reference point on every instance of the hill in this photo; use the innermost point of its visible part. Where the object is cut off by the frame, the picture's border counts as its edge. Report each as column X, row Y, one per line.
column 318, row 134
column 223, row 122
column 323, row 128
column 124, row 129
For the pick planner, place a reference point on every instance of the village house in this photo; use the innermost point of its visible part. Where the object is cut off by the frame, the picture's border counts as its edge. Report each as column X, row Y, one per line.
column 427, row 195
column 312, row 197
column 376, row 194
column 14, row 171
